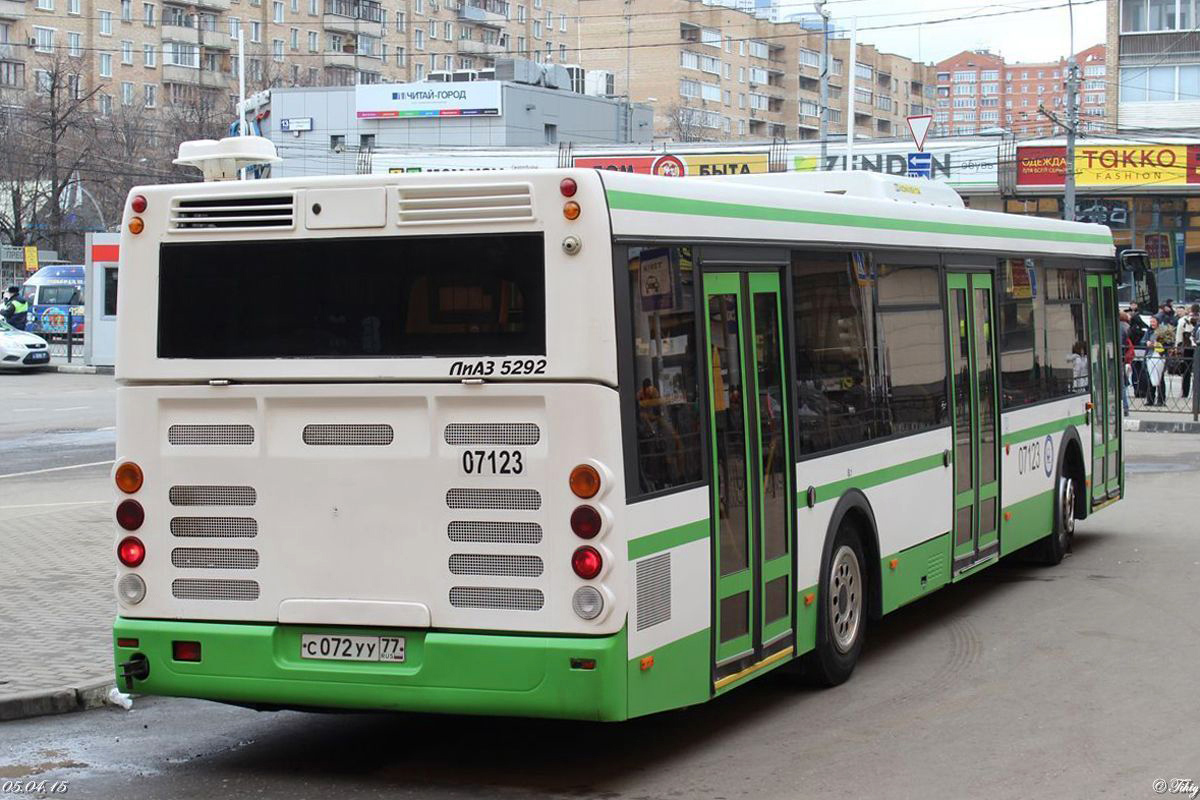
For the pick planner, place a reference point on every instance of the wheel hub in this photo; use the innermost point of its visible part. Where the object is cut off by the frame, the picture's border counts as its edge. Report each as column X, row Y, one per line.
column 845, row 598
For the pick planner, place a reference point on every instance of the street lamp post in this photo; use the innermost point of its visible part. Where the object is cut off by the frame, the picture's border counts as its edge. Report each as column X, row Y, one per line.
column 824, row 130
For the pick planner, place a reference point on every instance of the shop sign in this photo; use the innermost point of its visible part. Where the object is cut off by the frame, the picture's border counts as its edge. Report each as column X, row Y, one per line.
column 962, row 167
column 1098, row 166
column 679, row 166
column 421, row 100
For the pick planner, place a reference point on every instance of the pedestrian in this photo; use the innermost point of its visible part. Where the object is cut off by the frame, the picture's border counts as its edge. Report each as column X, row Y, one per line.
column 1166, row 313
column 1078, row 362
column 1185, row 344
column 1156, row 367
column 1127, row 354
column 14, row 309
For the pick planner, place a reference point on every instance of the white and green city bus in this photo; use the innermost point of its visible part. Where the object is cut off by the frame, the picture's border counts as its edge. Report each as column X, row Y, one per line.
column 583, row 444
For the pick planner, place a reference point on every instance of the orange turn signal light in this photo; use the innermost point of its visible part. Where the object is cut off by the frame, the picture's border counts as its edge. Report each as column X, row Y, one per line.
column 895, row 562
column 585, row 481
column 136, row 225
column 647, row 663
column 571, row 209
column 128, row 477
column 809, row 599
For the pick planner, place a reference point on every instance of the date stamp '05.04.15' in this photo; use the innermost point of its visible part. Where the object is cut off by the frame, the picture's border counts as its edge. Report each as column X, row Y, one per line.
column 1177, row 786
column 34, row 787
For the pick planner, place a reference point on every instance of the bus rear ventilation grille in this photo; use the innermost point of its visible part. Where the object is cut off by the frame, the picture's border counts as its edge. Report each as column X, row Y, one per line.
column 653, row 591
column 353, row 434
column 440, row 205
column 489, row 532
column 493, row 434
column 213, row 496
column 214, row 589
column 210, row 434
column 209, row 213
column 492, row 499
column 214, row 558
column 496, row 597
column 223, row 527
column 496, row 564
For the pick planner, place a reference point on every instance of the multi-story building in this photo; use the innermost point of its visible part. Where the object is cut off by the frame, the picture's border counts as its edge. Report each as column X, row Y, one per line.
column 718, row 73
column 1154, row 57
column 153, row 53
column 979, row 90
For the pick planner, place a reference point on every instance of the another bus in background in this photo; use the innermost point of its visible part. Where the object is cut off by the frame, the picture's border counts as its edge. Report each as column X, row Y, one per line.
column 55, row 295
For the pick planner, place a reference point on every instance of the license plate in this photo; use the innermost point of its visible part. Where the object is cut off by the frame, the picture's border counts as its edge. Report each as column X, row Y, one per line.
column 39, row 357
column 352, row 648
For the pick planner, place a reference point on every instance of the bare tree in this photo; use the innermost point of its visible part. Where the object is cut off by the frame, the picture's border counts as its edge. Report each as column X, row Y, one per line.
column 22, row 191
column 683, row 123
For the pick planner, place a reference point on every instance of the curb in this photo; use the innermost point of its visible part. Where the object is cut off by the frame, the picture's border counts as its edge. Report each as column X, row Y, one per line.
column 1161, row 426
column 80, row 369
column 59, row 700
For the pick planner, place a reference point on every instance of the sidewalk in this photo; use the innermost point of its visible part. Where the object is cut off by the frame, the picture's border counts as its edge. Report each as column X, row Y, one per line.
column 1161, row 422
column 56, row 608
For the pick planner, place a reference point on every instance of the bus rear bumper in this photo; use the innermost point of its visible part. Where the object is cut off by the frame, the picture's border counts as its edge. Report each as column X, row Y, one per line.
column 569, row 677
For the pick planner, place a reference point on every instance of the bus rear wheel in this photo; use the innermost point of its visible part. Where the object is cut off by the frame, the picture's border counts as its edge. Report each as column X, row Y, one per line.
column 841, row 615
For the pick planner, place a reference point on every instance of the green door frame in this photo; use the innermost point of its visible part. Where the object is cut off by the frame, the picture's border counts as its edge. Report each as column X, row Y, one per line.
column 1104, row 357
column 974, row 418
column 752, row 636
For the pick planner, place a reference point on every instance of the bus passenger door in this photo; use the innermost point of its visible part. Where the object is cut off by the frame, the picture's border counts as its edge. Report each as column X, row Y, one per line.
column 753, row 497
column 1105, row 358
column 973, row 418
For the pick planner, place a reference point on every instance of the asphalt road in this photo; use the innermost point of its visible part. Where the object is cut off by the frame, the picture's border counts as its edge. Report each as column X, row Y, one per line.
column 1076, row 681
column 52, row 419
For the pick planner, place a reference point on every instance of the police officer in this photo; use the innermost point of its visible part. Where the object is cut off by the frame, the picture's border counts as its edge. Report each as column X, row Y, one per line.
column 15, row 310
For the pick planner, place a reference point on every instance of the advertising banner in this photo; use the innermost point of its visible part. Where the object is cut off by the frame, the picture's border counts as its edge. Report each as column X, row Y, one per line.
column 962, row 166
column 679, row 166
column 1144, row 166
column 409, row 100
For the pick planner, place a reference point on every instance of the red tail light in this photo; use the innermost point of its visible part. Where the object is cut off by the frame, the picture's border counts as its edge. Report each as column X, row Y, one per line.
column 130, row 515
column 586, row 562
column 131, row 552
column 568, row 187
column 586, row 522
column 185, row 651
column 138, row 204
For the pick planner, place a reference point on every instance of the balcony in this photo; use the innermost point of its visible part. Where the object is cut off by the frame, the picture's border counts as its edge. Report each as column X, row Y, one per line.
column 9, row 52
column 12, row 9
column 216, row 40
column 212, row 5
column 192, row 76
column 484, row 12
column 347, row 16
column 354, row 61
column 474, row 48
column 180, row 33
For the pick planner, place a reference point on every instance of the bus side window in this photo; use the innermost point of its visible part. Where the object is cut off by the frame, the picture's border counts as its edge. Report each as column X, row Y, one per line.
column 665, row 390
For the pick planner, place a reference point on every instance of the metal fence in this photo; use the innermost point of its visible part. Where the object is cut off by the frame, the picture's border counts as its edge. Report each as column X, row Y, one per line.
column 65, row 346
column 1164, row 382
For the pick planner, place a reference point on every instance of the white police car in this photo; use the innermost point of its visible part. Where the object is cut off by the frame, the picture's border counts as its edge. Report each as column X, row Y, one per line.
column 21, row 350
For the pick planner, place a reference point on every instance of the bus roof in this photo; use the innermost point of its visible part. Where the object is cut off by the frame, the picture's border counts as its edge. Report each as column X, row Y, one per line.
column 806, row 209
column 57, row 275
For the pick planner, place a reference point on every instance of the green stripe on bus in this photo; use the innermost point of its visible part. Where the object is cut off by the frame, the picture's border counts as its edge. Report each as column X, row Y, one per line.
column 1025, row 434
column 832, row 491
column 665, row 540
column 637, row 201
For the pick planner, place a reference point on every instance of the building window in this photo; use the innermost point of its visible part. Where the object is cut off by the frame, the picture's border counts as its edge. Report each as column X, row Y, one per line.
column 537, row 29
column 127, row 52
column 43, row 40
column 42, row 84
column 312, row 8
column 149, row 56
column 419, row 39
column 294, row 39
column 314, row 42
column 75, row 45
column 965, row 76
column 104, row 103
column 255, row 31
column 277, row 12
column 126, row 93
column 277, row 49
column 151, row 95
column 44, row 5
column 148, row 14
column 419, row 71
column 235, row 28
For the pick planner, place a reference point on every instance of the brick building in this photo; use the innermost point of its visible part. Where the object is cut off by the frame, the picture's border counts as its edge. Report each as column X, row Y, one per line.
column 979, row 90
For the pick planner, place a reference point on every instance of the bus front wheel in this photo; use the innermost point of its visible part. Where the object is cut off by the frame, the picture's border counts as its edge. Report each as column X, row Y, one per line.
column 1056, row 546
column 842, row 611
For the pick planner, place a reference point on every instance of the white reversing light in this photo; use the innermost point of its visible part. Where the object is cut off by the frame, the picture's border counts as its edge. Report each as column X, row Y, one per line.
column 131, row 589
column 587, row 602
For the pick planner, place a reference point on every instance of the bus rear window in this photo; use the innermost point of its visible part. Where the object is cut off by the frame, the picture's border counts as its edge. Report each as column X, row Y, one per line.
column 353, row 298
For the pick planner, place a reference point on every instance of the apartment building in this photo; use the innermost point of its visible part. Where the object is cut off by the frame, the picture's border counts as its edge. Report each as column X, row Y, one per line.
column 153, row 53
column 980, row 90
column 1154, row 54
column 714, row 73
